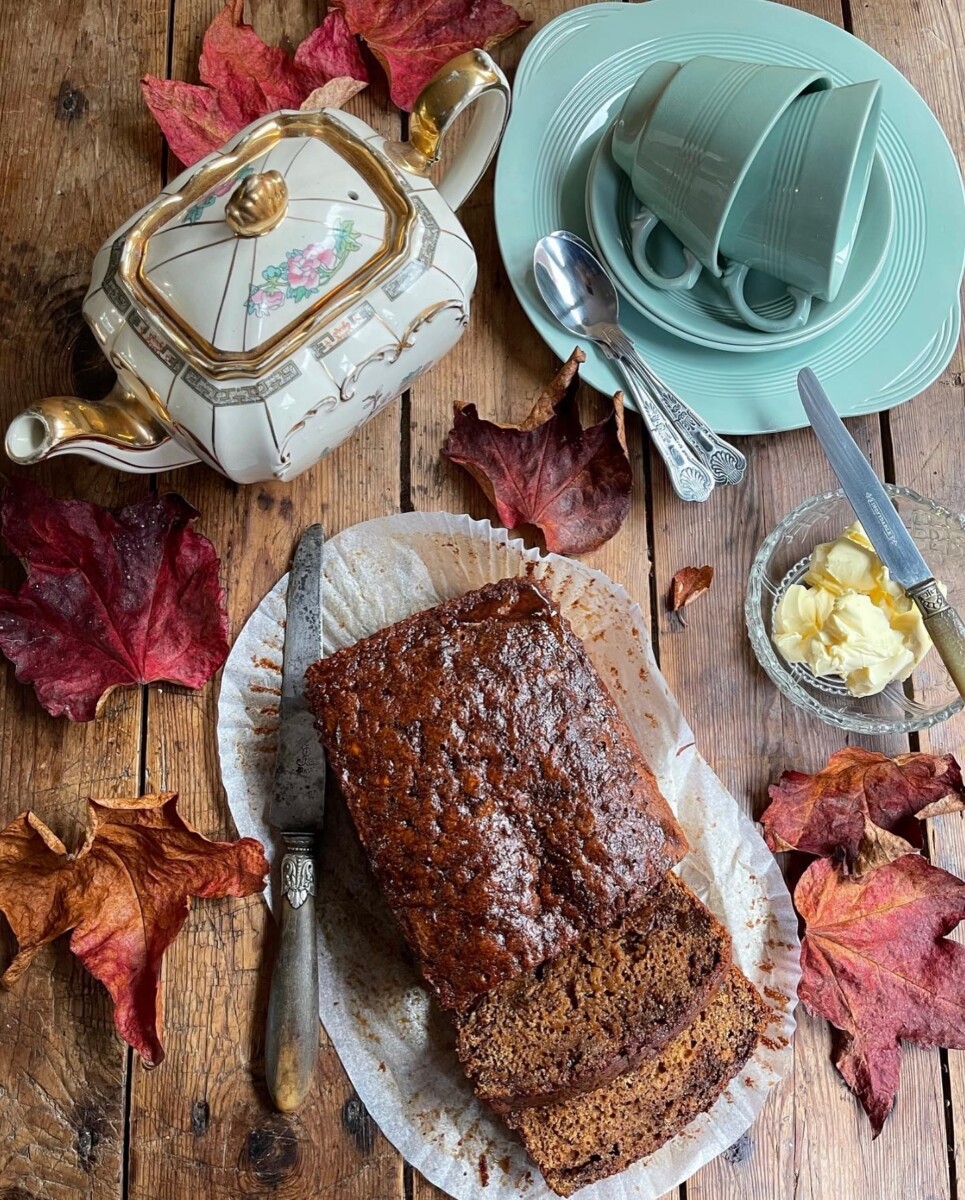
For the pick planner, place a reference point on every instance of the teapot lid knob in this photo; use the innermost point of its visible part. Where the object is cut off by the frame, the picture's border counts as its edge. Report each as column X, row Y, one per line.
column 257, row 204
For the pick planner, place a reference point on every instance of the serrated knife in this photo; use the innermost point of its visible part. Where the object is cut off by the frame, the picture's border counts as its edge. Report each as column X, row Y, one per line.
column 296, row 811
column 891, row 540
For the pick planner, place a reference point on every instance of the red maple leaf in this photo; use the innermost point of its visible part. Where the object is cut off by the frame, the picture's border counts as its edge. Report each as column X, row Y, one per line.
column 571, row 483
column 111, row 598
column 412, row 39
column 246, row 79
column 862, row 804
column 124, row 896
column 876, row 964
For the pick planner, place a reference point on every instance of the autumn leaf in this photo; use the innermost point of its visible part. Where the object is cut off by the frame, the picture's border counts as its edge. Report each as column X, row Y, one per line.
column 123, row 897
column 412, row 39
column 862, row 805
column 688, row 585
column 572, row 483
column 111, row 598
column 876, row 964
column 245, row 79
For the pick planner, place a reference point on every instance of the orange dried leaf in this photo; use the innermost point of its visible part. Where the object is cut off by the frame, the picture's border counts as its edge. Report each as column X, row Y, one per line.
column 123, row 897
column 688, row 584
column 571, row 483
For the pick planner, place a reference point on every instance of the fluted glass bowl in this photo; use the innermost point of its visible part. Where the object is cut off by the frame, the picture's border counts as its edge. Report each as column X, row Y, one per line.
column 929, row 696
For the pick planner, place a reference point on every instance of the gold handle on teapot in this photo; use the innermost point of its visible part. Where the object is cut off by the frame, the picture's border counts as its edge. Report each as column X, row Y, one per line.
column 471, row 77
column 120, row 419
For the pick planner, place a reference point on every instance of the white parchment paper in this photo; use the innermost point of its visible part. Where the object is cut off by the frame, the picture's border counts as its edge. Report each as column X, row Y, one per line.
column 396, row 1046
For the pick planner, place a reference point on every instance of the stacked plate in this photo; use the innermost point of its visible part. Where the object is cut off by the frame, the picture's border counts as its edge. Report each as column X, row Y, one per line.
column 895, row 322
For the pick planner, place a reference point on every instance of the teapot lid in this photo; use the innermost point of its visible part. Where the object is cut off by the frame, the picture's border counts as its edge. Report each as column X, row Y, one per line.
column 263, row 244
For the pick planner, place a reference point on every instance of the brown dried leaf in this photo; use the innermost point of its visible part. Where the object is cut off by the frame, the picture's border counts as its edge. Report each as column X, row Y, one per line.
column 571, row 483
column 688, row 585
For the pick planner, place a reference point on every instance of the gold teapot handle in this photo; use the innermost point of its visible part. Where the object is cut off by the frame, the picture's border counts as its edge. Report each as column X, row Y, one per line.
column 471, row 77
column 63, row 422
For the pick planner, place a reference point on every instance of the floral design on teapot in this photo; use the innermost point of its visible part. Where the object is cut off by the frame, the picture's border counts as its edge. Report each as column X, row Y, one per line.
column 304, row 272
column 196, row 211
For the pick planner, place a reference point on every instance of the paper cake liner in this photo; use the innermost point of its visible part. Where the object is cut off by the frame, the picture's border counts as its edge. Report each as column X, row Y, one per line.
column 395, row 1044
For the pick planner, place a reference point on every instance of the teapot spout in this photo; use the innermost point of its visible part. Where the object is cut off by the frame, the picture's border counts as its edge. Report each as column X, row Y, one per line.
column 118, row 429
column 470, row 77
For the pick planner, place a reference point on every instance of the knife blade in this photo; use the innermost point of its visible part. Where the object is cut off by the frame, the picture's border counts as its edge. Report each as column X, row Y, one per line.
column 296, row 811
column 892, row 541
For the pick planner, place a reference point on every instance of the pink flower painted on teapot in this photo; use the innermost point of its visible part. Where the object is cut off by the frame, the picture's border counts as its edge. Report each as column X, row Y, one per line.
column 306, row 267
column 304, row 271
column 262, row 302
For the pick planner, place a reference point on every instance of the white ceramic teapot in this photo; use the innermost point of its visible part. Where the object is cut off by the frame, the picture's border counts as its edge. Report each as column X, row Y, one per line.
column 280, row 292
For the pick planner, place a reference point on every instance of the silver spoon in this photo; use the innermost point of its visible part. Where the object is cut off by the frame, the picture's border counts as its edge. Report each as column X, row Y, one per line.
column 582, row 297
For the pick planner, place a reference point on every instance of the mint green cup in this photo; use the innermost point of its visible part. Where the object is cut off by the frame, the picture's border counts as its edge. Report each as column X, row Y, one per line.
column 688, row 134
column 797, row 213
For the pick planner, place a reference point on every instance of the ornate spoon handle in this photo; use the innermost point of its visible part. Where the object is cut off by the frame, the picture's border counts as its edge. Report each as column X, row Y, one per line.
column 725, row 461
column 691, row 479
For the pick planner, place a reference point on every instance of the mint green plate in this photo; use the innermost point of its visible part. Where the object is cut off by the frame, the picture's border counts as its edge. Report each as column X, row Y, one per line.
column 704, row 314
column 888, row 349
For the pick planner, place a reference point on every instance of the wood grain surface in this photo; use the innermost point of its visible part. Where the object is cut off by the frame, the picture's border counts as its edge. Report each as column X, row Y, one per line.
column 78, row 1117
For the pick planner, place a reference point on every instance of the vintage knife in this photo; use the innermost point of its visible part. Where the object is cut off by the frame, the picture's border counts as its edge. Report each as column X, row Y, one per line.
column 297, row 807
column 881, row 523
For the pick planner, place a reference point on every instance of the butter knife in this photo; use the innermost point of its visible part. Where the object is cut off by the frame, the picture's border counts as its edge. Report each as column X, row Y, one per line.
column 891, row 540
column 296, row 811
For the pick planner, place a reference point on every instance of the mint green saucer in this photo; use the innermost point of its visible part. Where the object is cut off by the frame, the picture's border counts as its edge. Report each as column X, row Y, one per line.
column 704, row 314
column 887, row 349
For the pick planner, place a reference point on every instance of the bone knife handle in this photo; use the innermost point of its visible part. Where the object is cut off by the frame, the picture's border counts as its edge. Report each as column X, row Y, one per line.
column 945, row 626
column 291, row 1041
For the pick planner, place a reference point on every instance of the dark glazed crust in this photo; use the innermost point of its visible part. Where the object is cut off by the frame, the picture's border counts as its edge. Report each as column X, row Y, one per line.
column 495, row 787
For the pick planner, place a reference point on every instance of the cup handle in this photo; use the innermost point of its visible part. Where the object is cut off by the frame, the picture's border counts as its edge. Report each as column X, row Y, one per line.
column 734, row 278
column 641, row 228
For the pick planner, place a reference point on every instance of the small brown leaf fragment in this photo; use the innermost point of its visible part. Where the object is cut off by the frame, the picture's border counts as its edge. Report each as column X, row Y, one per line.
column 334, row 94
column 572, row 483
column 688, row 585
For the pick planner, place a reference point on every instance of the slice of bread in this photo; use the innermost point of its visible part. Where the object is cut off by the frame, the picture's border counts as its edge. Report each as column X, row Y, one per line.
column 581, row 1019
column 579, row 1141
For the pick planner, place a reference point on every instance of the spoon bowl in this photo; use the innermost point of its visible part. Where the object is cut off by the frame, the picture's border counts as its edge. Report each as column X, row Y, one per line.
column 580, row 294
column 573, row 284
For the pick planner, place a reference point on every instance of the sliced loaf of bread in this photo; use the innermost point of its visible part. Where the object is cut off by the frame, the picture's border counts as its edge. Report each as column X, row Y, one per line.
column 581, row 1019
column 582, row 1140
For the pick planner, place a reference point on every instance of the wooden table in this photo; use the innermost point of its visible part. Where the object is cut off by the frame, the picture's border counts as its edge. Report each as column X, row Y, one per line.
column 79, row 1117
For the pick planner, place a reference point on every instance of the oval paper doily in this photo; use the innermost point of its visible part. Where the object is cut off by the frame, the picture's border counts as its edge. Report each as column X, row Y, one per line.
column 396, row 1046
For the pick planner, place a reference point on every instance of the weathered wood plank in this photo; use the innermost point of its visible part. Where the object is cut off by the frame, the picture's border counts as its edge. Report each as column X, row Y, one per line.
column 501, row 364
column 926, row 40
column 811, row 1137
column 203, row 1124
column 73, row 159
